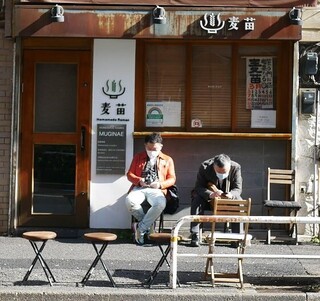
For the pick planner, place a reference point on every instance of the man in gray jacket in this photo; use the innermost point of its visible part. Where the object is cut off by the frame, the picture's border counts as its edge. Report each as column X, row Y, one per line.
column 217, row 177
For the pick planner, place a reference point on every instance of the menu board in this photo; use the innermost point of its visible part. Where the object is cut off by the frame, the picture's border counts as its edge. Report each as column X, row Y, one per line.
column 111, row 148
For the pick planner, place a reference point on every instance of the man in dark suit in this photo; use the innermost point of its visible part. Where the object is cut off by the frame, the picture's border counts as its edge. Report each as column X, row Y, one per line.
column 217, row 177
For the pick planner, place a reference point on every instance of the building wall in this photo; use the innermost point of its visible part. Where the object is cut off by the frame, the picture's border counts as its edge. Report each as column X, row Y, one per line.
column 6, row 76
column 112, row 60
column 305, row 136
column 254, row 156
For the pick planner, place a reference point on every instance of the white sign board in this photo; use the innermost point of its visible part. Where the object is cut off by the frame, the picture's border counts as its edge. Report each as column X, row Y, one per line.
column 163, row 114
column 263, row 119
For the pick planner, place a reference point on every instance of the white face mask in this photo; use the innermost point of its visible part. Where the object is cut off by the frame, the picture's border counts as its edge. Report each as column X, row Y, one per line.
column 153, row 154
column 222, row 176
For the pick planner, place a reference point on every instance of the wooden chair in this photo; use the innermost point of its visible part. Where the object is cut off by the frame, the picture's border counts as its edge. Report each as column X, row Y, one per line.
column 286, row 178
column 234, row 208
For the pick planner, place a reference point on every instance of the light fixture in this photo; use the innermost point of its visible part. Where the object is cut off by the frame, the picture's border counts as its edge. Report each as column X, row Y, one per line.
column 57, row 13
column 159, row 15
column 295, row 16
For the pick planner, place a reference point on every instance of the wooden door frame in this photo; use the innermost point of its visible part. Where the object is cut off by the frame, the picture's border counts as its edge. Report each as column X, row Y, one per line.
column 25, row 216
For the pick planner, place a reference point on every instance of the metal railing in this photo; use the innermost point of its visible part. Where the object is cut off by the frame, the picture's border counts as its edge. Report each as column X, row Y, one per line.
column 232, row 219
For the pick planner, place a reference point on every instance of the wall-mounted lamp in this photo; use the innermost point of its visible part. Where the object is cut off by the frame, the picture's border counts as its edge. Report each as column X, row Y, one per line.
column 295, row 16
column 159, row 15
column 57, row 13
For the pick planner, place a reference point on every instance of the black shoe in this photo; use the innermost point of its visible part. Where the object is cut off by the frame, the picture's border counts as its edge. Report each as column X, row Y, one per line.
column 195, row 240
column 234, row 244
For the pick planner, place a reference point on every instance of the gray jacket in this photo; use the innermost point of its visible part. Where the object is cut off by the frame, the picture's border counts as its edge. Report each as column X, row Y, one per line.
column 206, row 174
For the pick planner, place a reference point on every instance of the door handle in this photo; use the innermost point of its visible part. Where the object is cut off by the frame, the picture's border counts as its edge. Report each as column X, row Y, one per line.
column 83, row 138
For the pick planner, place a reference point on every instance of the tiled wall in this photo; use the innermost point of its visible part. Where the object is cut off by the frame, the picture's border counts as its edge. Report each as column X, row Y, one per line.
column 6, row 73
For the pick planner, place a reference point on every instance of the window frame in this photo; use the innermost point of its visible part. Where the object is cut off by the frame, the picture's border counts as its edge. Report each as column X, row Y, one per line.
column 284, row 71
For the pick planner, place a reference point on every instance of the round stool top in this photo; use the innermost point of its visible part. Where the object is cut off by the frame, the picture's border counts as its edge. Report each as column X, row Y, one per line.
column 100, row 236
column 161, row 237
column 39, row 235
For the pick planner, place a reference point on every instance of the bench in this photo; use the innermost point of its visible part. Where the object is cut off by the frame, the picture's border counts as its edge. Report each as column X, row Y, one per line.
column 233, row 219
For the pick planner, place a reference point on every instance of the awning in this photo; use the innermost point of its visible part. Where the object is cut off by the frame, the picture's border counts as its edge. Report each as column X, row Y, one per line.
column 199, row 3
column 137, row 22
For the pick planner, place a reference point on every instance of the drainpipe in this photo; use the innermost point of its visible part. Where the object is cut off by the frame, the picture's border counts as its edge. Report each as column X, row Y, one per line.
column 12, row 213
column 315, row 159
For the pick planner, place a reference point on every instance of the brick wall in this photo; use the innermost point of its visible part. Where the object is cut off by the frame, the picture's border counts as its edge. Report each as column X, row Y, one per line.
column 6, row 73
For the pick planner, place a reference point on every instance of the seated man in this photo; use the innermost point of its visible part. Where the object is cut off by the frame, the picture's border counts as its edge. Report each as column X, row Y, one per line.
column 150, row 173
column 222, row 174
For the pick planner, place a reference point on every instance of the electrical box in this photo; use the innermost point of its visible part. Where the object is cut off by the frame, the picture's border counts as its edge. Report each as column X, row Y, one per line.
column 308, row 99
column 311, row 63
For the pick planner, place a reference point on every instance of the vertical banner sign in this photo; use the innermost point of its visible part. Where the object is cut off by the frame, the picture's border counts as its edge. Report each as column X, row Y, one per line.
column 111, row 148
column 259, row 83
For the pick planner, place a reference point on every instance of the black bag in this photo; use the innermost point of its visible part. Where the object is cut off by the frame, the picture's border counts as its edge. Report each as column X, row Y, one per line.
column 172, row 200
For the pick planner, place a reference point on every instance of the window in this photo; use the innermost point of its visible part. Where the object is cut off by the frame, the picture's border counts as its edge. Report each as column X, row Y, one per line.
column 211, row 86
column 165, row 84
column 198, row 86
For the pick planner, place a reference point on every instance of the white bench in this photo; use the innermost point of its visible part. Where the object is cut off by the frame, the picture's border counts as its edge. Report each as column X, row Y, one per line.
column 232, row 219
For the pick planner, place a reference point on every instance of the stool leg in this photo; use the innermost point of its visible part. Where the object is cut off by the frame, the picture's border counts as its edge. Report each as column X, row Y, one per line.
column 159, row 265
column 164, row 254
column 43, row 263
column 161, row 223
column 94, row 263
column 157, row 268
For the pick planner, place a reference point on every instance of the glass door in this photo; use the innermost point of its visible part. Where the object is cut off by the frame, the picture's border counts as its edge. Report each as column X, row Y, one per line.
column 55, row 117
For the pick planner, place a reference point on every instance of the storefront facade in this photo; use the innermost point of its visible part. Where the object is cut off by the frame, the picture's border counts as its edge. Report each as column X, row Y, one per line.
column 90, row 80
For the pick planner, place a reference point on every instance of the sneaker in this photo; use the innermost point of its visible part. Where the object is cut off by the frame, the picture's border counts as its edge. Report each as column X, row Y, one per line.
column 138, row 236
column 194, row 240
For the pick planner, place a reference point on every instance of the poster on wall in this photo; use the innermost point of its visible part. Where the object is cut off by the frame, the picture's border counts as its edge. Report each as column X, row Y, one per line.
column 111, row 148
column 259, row 85
column 263, row 119
column 163, row 114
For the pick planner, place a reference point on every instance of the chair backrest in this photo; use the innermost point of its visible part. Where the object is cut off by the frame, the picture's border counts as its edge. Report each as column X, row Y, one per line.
column 232, row 207
column 283, row 177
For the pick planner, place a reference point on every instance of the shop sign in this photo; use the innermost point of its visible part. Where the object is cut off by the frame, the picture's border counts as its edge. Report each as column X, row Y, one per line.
column 213, row 23
column 111, row 148
column 113, row 109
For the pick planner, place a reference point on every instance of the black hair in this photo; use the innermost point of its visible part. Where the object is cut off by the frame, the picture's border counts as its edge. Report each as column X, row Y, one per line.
column 153, row 138
column 221, row 160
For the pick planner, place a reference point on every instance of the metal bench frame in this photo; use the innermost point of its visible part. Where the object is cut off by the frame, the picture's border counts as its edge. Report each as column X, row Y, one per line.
column 234, row 219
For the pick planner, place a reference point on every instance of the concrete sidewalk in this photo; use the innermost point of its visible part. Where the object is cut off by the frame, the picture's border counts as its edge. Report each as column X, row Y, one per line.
column 131, row 265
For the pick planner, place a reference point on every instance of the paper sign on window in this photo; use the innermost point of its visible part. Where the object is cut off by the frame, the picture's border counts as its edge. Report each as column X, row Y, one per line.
column 259, row 83
column 263, row 118
column 163, row 114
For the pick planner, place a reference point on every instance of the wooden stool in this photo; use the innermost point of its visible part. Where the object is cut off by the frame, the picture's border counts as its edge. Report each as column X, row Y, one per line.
column 99, row 238
column 39, row 236
column 160, row 238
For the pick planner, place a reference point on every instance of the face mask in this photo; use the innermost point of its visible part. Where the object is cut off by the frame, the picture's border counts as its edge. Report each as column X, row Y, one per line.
column 222, row 176
column 153, row 154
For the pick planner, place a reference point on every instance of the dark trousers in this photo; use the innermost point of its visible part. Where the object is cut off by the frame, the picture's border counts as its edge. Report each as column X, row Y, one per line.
column 198, row 206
